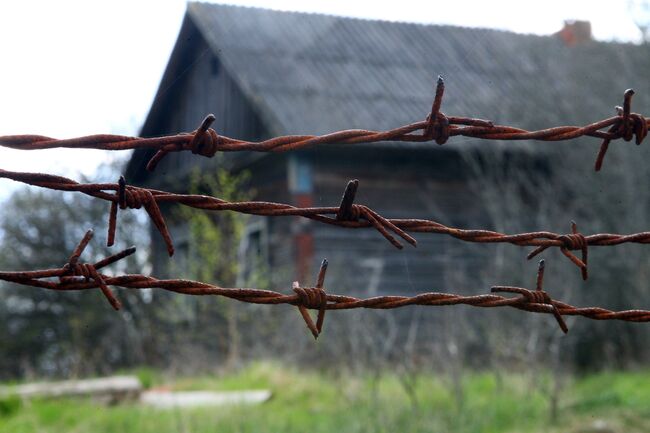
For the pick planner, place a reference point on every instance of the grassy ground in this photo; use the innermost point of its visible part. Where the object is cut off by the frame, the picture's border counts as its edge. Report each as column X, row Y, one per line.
column 309, row 401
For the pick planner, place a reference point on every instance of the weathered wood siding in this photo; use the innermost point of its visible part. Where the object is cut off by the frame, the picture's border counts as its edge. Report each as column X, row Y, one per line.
column 394, row 181
column 397, row 184
column 203, row 86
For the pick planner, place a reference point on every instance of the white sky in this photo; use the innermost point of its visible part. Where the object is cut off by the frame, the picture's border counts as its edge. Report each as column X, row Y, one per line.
column 73, row 68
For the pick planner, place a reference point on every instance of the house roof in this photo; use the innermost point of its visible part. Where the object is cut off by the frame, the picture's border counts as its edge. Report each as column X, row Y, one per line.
column 314, row 74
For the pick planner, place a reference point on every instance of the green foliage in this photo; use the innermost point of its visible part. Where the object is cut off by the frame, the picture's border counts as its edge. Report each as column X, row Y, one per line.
column 318, row 402
column 9, row 405
column 212, row 255
column 215, row 237
column 609, row 389
column 148, row 377
column 47, row 332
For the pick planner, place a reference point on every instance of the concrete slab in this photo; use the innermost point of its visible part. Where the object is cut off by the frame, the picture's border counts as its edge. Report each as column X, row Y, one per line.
column 114, row 387
column 166, row 399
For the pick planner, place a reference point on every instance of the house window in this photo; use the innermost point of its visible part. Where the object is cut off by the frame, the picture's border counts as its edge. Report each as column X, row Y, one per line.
column 300, row 175
column 214, row 66
column 253, row 253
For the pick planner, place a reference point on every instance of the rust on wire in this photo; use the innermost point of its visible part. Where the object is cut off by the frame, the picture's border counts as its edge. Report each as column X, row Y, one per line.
column 573, row 241
column 83, row 276
column 347, row 215
column 73, row 272
column 313, row 297
column 538, row 296
column 437, row 127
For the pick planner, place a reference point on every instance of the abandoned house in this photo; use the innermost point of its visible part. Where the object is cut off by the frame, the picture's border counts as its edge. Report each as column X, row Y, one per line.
column 265, row 73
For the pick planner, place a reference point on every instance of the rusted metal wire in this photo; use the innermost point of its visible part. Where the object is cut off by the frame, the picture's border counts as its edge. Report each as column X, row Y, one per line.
column 436, row 127
column 86, row 276
column 347, row 214
column 206, row 141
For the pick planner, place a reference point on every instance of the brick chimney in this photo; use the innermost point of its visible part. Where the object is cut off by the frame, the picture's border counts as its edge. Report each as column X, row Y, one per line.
column 575, row 32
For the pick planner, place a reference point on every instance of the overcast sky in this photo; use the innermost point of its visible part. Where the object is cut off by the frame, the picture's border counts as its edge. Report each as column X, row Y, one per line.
column 73, row 68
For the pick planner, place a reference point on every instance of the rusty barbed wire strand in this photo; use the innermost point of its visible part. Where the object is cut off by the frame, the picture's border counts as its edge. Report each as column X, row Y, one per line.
column 347, row 215
column 85, row 276
column 436, row 127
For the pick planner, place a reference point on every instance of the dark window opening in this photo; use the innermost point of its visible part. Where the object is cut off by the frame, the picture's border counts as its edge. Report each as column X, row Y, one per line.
column 215, row 65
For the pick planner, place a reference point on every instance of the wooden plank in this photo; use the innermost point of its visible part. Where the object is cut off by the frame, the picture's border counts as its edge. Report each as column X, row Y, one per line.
column 169, row 400
column 115, row 387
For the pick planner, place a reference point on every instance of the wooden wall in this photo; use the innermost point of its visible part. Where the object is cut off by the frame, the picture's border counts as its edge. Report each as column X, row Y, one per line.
column 396, row 181
column 203, row 86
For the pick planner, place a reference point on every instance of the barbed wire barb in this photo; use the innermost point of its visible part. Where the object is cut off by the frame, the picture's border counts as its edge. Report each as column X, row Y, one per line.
column 313, row 297
column 538, row 296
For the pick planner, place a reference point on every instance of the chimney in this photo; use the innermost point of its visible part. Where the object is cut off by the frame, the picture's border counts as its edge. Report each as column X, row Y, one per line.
column 575, row 32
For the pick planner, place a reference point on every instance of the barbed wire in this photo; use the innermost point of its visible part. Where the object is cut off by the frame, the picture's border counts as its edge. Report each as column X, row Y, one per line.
column 436, row 127
column 75, row 275
column 347, row 215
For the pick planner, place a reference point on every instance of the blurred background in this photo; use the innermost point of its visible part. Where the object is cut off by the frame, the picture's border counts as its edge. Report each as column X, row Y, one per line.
column 269, row 68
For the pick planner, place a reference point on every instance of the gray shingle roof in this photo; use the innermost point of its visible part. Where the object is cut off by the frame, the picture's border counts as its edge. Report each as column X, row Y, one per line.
column 312, row 73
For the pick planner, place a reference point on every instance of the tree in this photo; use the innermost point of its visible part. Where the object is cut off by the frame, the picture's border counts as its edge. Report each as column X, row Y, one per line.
column 212, row 256
column 54, row 333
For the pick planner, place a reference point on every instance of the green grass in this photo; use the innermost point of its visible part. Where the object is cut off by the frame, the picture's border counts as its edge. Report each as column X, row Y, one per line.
column 319, row 402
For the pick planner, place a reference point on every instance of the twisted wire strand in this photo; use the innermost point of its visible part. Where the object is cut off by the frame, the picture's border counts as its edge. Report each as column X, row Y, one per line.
column 436, row 127
column 308, row 297
column 346, row 215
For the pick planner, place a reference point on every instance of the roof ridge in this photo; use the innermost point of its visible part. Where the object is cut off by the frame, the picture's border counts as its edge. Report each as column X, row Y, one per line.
column 363, row 19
